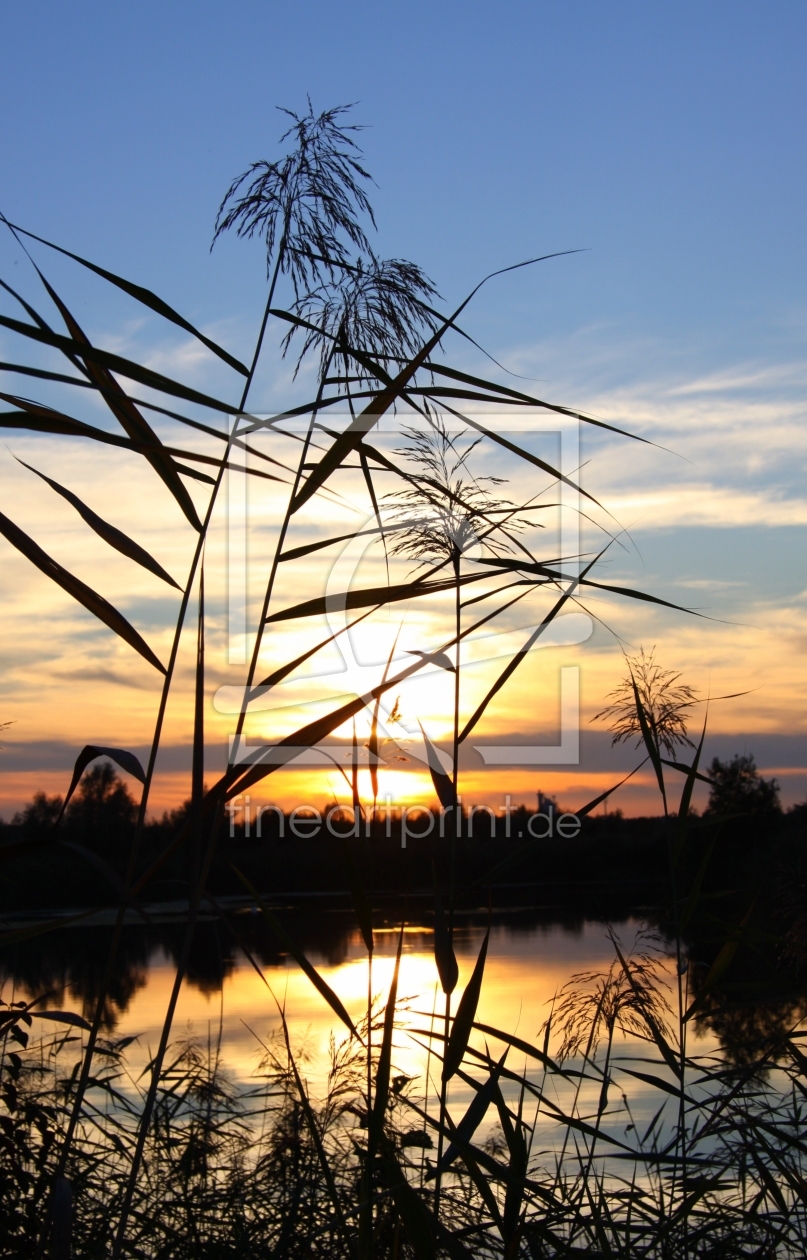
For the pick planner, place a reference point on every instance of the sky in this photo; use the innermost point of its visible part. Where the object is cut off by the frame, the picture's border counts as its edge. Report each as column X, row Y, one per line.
column 665, row 143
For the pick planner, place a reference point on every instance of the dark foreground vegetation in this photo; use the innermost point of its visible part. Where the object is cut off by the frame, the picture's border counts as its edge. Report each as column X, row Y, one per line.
column 552, row 1155
column 549, row 1160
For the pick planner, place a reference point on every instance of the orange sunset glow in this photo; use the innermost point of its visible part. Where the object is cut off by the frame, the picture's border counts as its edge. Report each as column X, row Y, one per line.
column 90, row 688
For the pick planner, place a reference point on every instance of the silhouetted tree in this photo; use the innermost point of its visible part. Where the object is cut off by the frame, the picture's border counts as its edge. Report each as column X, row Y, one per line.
column 738, row 788
column 102, row 813
column 39, row 813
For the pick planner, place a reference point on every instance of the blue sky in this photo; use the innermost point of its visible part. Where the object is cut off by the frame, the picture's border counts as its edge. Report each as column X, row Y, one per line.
column 666, row 141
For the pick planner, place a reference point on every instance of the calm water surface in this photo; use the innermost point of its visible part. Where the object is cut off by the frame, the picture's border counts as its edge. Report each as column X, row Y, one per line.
column 226, row 1002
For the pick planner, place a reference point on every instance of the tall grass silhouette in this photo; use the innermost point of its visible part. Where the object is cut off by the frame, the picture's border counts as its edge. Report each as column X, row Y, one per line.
column 181, row 1163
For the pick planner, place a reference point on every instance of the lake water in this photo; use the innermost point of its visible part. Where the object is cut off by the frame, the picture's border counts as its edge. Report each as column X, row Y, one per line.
column 525, row 967
column 530, row 957
column 224, row 1001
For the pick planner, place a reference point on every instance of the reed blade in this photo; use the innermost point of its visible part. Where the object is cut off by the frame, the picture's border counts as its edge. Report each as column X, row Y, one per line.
column 477, row 1110
column 40, row 419
column 321, row 985
column 603, row 796
column 444, row 957
column 649, row 739
column 307, row 549
column 370, row 595
column 237, row 780
column 114, row 537
column 79, row 590
column 117, row 363
column 443, row 783
column 124, row 410
column 64, row 1017
column 145, row 297
column 382, row 1077
column 519, row 656
column 441, row 369
column 466, row 1014
column 686, row 800
column 126, row 760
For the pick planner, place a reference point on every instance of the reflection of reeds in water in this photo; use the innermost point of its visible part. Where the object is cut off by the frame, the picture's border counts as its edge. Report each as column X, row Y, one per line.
column 161, row 1171
column 566, row 1147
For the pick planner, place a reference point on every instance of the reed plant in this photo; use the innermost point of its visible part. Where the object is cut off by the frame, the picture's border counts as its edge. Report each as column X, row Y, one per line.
column 559, row 1157
column 181, row 1163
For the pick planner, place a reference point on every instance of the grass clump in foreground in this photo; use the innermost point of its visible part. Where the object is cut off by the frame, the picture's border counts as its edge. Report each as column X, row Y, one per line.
column 549, row 1158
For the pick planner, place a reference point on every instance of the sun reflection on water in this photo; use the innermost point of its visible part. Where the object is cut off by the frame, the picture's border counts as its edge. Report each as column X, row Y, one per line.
column 524, row 971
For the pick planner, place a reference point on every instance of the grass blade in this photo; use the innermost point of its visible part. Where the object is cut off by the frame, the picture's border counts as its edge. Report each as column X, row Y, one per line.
column 592, row 805
column 196, row 815
column 283, row 672
column 361, row 906
column 130, row 419
column 649, row 739
column 465, row 1016
column 686, row 799
column 114, row 537
column 126, row 760
column 557, row 576
column 532, row 459
column 322, row 986
column 444, row 956
column 297, row 553
column 84, row 594
column 305, row 737
column 517, row 396
column 514, row 663
column 470, row 1122
column 144, row 296
column 370, row 595
column 522, row 1046
column 116, row 363
column 372, row 748
column 443, row 783
column 382, row 1077
column 44, row 420
column 41, row 419
column 63, row 1017
column 683, row 768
